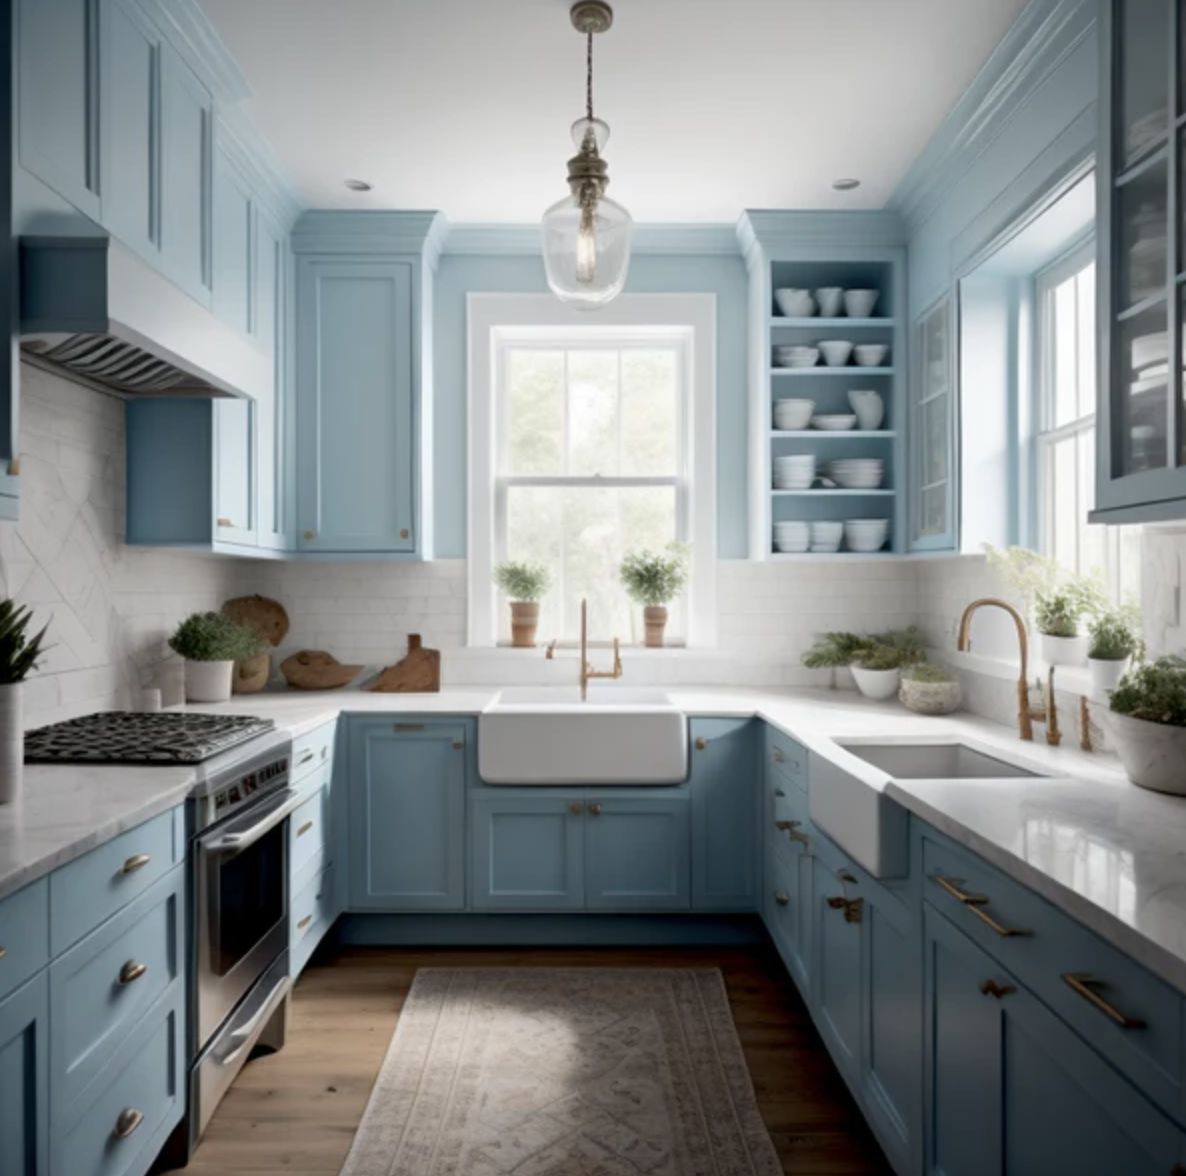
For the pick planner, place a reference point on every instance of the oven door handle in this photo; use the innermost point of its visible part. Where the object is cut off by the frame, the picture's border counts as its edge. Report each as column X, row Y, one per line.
column 238, row 835
column 242, row 1035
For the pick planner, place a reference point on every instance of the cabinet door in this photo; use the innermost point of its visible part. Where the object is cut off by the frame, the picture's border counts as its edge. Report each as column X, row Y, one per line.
column 931, row 435
column 24, row 1078
column 407, row 816
column 131, row 144
column 725, row 800
column 272, row 416
column 528, row 852
column 1009, row 1088
column 234, row 471
column 636, row 854
column 355, row 445
column 185, row 177
column 232, row 244
column 58, row 78
column 838, row 966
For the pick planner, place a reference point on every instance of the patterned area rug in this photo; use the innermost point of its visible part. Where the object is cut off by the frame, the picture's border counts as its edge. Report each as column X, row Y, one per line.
column 564, row 1072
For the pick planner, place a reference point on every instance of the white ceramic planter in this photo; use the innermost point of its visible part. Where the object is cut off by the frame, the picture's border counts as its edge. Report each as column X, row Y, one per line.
column 1153, row 754
column 1105, row 674
column 877, row 684
column 12, row 743
column 208, row 681
column 1064, row 651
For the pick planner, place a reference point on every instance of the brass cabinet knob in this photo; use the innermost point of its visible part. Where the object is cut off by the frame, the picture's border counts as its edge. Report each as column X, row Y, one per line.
column 3, row 952
column 595, row 809
column 781, row 898
column 131, row 971
column 225, row 523
column 576, row 809
column 304, row 922
column 127, row 1122
column 304, row 828
column 403, row 533
column 701, row 744
column 778, row 756
column 310, row 534
column 136, row 862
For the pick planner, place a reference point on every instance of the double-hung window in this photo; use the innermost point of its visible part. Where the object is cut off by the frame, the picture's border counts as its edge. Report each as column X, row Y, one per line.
column 586, row 445
column 1066, row 309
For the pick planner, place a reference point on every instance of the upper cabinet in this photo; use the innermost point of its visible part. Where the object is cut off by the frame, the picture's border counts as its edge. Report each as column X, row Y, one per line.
column 1141, row 464
column 931, row 433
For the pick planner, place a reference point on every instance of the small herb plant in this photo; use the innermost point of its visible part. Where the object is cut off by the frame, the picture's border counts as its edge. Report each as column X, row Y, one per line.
column 1057, row 614
column 835, row 651
column 883, row 657
column 18, row 651
column 879, row 651
column 523, row 581
column 1114, row 636
column 654, row 578
column 1155, row 693
column 211, row 637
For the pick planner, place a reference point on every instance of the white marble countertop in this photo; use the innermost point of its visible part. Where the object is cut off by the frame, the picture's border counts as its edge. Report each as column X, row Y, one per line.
column 1108, row 853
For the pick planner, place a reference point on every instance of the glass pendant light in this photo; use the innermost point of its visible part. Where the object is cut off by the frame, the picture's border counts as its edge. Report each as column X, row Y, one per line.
column 587, row 235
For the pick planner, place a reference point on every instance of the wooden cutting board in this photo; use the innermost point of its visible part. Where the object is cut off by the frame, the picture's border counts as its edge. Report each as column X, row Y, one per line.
column 418, row 673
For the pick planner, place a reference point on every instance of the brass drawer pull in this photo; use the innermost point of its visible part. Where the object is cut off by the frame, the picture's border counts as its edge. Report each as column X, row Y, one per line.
column 778, row 757
column 225, row 523
column 781, row 898
column 951, row 885
column 989, row 921
column 136, row 862
column 791, row 829
column 304, row 922
column 131, row 971
column 305, row 758
column 127, row 1122
column 595, row 809
column 992, row 988
column 3, row 952
column 1082, row 984
column 852, row 907
column 701, row 744
column 304, row 828
column 576, row 809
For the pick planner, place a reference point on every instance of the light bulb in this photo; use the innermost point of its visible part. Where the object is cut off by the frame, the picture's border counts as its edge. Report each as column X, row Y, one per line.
column 586, row 271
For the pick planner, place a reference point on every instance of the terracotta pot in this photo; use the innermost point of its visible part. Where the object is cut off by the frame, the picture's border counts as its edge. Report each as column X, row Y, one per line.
column 524, row 621
column 655, row 619
column 12, row 743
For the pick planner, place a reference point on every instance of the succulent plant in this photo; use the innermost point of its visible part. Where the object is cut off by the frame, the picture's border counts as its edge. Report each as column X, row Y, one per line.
column 18, row 651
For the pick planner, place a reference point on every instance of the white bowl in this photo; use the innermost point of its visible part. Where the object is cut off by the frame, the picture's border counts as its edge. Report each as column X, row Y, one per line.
column 870, row 355
column 834, row 422
column 836, row 352
column 830, row 300
column 798, row 357
column 795, row 303
column 791, row 415
column 866, row 534
column 860, row 303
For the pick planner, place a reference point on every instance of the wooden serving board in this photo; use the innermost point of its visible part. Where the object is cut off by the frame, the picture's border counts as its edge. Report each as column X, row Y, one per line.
column 418, row 673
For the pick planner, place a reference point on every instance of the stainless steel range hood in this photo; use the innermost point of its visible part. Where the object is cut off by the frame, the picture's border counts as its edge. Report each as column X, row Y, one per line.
column 95, row 313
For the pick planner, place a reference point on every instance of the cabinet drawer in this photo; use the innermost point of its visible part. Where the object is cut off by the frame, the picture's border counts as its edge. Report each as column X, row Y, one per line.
column 24, row 935
column 312, row 907
column 786, row 758
column 1127, row 1014
column 789, row 833
column 92, row 888
column 135, row 1105
column 313, row 750
column 103, row 987
column 308, row 832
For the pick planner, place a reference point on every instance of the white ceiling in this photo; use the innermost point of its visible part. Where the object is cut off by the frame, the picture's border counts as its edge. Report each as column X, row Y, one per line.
column 715, row 105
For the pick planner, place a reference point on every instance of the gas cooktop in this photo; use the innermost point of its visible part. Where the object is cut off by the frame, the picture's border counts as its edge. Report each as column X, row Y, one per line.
column 125, row 737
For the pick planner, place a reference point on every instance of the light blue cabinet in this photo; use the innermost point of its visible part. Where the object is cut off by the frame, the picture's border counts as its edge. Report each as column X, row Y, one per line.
column 933, row 423
column 725, row 800
column 24, row 1079
column 636, row 852
column 58, row 96
column 274, row 482
column 354, row 398
column 789, row 865
column 407, row 815
column 232, row 241
column 233, row 453
column 836, row 983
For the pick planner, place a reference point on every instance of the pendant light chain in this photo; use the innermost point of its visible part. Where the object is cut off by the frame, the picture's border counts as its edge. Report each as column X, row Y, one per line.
column 589, row 77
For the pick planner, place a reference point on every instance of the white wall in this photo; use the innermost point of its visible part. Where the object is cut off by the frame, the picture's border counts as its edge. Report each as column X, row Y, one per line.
column 110, row 607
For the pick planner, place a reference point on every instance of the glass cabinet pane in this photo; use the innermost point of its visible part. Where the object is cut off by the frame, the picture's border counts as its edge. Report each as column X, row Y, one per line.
column 1143, row 27
column 934, row 440
column 1142, row 383
column 1142, row 223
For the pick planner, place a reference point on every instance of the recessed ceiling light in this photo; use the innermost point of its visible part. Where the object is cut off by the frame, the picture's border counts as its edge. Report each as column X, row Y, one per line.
column 846, row 185
column 358, row 185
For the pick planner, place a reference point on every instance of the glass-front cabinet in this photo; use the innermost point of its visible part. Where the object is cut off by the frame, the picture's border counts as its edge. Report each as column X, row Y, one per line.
column 1141, row 463
column 931, row 431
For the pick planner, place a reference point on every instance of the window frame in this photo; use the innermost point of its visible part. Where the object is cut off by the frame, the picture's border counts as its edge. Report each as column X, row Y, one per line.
column 497, row 323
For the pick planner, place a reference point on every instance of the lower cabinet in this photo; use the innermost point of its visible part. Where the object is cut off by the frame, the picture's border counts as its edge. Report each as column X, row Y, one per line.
column 24, row 1079
column 406, row 815
column 568, row 850
column 1010, row 1088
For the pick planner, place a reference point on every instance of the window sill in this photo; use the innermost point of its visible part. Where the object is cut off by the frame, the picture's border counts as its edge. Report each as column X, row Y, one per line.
column 1067, row 679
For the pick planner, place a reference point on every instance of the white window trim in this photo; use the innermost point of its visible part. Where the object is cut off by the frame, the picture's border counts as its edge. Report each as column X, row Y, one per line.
column 495, row 318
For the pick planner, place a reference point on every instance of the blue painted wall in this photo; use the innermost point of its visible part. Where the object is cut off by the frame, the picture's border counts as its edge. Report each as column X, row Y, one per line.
column 460, row 274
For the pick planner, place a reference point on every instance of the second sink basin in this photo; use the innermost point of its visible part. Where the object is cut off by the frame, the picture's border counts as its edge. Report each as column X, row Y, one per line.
column 935, row 761
column 548, row 736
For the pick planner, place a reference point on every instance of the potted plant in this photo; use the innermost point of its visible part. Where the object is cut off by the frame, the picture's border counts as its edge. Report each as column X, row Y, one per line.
column 211, row 643
column 876, row 661
column 878, row 673
column 525, row 584
column 1057, row 615
column 929, row 690
column 653, row 579
column 18, row 656
column 1113, row 639
column 1147, row 722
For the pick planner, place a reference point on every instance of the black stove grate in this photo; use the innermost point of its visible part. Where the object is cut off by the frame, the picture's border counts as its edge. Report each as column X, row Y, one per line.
column 125, row 737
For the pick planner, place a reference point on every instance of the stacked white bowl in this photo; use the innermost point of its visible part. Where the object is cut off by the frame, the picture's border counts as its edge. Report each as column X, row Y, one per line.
column 792, row 415
column 825, row 537
column 795, row 303
column 860, row 303
column 795, row 472
column 858, row 473
column 866, row 534
column 870, row 355
column 791, row 537
column 834, row 422
column 788, row 356
column 836, row 352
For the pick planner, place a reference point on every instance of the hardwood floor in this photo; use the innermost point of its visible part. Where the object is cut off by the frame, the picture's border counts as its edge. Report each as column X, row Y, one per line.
column 296, row 1111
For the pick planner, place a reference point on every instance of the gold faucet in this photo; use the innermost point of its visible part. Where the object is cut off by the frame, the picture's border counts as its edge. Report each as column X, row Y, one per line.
column 1026, row 714
column 588, row 673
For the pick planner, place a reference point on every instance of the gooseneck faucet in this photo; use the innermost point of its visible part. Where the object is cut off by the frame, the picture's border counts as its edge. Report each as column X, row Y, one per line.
column 587, row 671
column 1026, row 714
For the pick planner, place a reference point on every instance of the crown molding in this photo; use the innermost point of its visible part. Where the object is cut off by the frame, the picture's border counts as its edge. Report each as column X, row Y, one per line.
column 367, row 231
column 766, row 233
column 1042, row 37
column 653, row 240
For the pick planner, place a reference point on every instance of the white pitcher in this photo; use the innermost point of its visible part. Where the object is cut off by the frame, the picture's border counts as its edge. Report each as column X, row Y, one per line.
column 869, row 407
